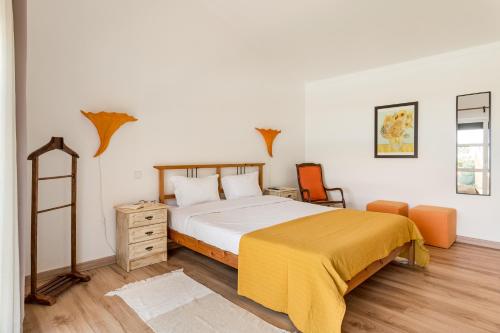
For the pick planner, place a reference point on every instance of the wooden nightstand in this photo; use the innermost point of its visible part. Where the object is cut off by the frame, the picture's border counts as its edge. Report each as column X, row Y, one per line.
column 286, row 192
column 141, row 236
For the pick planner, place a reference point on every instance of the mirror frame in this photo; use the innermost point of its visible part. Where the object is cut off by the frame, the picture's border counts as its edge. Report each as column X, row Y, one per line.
column 489, row 143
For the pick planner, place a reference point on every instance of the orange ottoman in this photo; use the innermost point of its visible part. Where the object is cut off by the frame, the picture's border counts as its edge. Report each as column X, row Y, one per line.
column 438, row 225
column 384, row 206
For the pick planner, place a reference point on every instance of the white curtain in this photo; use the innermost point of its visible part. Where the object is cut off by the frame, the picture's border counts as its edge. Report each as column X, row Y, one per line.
column 10, row 298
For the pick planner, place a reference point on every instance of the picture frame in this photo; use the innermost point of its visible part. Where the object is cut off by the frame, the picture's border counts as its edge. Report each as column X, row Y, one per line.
column 396, row 131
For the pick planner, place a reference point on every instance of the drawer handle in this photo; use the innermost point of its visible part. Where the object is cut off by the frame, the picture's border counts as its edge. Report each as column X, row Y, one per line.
column 149, row 248
column 149, row 233
column 150, row 217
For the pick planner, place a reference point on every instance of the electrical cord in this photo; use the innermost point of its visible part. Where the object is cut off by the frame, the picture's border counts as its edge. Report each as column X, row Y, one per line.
column 103, row 215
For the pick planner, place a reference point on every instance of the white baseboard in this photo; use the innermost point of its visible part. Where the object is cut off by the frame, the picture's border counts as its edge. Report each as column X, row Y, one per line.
column 478, row 242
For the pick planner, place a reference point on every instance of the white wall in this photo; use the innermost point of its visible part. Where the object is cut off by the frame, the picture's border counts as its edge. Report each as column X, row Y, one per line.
column 199, row 85
column 196, row 86
column 340, row 134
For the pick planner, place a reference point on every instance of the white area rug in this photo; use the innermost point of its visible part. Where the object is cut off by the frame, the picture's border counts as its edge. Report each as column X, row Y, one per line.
column 174, row 302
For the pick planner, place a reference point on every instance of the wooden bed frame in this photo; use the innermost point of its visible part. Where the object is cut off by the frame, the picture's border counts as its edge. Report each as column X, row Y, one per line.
column 231, row 259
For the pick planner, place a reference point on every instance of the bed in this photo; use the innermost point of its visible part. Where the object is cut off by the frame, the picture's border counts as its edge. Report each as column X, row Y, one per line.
column 219, row 229
column 223, row 223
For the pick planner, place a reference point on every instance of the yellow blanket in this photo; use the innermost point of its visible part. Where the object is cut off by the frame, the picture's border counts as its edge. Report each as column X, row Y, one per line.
column 300, row 267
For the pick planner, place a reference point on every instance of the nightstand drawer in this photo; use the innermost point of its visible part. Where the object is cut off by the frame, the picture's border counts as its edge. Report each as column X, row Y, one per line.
column 289, row 194
column 148, row 232
column 147, row 248
column 146, row 218
column 149, row 260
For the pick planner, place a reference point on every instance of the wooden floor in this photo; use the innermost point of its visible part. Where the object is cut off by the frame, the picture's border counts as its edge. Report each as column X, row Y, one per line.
column 458, row 292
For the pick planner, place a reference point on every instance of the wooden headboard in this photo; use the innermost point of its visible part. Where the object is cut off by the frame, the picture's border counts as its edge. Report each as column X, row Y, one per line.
column 192, row 171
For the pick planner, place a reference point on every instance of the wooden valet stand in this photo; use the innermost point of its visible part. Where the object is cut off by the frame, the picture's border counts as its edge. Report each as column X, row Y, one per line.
column 47, row 293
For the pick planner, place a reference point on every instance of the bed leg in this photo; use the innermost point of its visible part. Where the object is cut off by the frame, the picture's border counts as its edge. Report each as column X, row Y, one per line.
column 411, row 254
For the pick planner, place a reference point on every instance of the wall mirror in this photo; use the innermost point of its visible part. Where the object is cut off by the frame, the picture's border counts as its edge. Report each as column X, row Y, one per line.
column 473, row 143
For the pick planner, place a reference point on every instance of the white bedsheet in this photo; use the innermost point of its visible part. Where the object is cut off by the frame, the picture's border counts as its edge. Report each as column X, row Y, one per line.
column 222, row 223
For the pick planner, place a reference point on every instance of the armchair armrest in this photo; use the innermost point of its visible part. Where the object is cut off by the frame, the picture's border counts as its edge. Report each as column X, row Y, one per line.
column 334, row 189
column 341, row 194
column 308, row 194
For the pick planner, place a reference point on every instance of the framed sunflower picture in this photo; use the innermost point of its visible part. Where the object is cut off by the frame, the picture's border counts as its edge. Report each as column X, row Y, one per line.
column 396, row 130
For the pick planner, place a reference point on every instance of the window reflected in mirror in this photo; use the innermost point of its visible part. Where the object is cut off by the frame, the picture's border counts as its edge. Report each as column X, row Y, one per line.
column 473, row 143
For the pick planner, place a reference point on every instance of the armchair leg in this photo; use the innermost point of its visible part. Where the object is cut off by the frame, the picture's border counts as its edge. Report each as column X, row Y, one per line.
column 343, row 200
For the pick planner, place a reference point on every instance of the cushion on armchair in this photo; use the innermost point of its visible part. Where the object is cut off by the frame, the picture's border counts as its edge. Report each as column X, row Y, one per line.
column 310, row 178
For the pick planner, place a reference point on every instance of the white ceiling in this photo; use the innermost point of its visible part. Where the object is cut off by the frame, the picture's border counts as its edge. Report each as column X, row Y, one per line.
column 323, row 38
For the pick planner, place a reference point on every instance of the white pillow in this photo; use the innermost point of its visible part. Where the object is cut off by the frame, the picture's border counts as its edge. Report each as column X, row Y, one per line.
column 191, row 191
column 240, row 186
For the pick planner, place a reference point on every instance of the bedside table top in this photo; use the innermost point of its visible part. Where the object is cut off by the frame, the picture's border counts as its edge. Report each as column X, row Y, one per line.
column 147, row 207
column 281, row 188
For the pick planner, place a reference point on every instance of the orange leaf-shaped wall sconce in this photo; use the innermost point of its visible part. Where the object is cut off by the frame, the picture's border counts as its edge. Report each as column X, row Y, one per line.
column 106, row 124
column 269, row 135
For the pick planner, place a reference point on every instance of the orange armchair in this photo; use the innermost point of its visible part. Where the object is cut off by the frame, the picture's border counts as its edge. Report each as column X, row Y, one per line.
column 312, row 188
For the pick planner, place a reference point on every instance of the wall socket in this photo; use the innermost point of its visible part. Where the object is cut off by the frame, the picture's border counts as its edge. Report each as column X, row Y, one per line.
column 137, row 174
